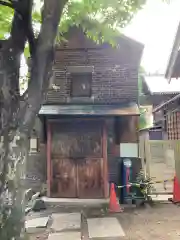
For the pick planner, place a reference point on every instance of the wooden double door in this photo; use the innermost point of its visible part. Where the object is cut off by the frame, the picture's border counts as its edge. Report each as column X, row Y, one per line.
column 77, row 159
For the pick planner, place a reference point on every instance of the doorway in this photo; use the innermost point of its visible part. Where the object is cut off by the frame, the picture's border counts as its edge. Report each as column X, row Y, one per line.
column 77, row 159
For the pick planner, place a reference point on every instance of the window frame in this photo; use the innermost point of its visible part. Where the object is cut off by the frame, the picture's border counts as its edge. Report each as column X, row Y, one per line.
column 89, row 81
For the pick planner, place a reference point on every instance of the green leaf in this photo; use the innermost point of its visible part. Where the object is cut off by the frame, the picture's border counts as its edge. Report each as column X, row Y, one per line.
column 26, row 51
column 142, row 118
column 6, row 15
column 100, row 18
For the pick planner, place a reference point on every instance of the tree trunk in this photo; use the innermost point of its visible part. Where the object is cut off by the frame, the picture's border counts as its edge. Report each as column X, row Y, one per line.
column 16, row 122
column 13, row 152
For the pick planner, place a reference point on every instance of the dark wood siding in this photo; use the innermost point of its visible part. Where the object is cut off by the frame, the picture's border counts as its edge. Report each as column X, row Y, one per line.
column 115, row 75
column 76, row 139
column 77, row 158
column 127, row 130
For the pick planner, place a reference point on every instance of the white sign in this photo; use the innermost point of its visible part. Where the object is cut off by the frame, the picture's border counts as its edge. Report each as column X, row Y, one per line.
column 128, row 150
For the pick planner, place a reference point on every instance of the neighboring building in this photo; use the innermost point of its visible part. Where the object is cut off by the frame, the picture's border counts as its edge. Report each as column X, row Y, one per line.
column 90, row 116
column 170, row 109
column 146, row 117
column 149, row 130
column 153, row 133
column 173, row 67
column 158, row 91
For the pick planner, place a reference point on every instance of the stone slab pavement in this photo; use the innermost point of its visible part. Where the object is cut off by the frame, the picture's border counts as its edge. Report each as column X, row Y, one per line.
column 64, row 226
column 36, row 225
column 161, row 222
column 65, row 236
column 66, row 221
column 104, row 228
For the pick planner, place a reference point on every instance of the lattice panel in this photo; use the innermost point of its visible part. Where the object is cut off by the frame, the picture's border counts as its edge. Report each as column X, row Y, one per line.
column 173, row 126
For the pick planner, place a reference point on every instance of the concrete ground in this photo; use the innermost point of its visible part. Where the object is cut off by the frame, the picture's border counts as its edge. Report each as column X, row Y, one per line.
column 161, row 221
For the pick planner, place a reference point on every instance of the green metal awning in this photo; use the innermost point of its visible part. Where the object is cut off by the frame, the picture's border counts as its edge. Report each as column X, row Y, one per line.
column 94, row 110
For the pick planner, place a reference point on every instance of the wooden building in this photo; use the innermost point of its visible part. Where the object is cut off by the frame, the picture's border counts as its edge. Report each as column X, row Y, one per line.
column 157, row 91
column 169, row 109
column 153, row 133
column 169, row 113
column 90, row 115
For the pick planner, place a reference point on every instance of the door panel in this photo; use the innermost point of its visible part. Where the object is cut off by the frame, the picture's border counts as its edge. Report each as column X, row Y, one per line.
column 90, row 181
column 77, row 159
column 65, row 178
column 77, row 139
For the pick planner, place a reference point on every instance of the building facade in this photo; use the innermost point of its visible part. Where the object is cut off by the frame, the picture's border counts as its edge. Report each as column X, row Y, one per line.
column 89, row 118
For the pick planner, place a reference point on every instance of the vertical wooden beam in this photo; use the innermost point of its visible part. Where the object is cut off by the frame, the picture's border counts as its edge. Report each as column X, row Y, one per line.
column 142, row 151
column 147, row 157
column 137, row 118
column 77, row 179
column 105, row 165
column 48, row 159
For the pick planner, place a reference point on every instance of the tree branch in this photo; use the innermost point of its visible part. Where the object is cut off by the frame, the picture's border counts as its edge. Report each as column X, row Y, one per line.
column 24, row 96
column 7, row 4
column 41, row 63
column 31, row 39
column 12, row 4
column 12, row 54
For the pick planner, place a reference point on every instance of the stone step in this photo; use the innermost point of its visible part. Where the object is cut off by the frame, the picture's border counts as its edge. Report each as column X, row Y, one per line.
column 108, row 227
column 36, row 225
column 75, row 202
column 65, row 236
column 66, row 221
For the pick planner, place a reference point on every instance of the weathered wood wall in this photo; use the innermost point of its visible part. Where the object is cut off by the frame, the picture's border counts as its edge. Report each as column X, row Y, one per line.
column 115, row 74
column 77, row 158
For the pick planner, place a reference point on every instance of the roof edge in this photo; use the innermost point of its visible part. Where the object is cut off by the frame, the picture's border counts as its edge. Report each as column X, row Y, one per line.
column 173, row 55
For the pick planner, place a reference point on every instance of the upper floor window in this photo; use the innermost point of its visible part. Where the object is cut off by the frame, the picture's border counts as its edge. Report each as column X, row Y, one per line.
column 81, row 84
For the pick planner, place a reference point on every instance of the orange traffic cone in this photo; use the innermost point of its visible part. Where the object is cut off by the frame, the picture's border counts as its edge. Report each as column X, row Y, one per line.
column 176, row 191
column 114, row 206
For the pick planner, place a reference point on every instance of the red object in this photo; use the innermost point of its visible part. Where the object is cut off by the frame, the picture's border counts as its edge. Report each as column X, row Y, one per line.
column 127, row 180
column 176, row 191
column 49, row 169
column 114, row 206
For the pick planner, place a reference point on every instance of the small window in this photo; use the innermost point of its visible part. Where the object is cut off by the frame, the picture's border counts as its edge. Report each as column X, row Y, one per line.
column 81, row 84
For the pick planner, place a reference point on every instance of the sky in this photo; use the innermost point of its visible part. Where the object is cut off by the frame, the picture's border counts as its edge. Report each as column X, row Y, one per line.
column 155, row 26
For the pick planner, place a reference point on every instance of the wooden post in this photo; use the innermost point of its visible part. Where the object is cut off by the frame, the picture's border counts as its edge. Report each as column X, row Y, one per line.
column 105, row 164
column 148, row 157
column 142, row 152
column 48, row 159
